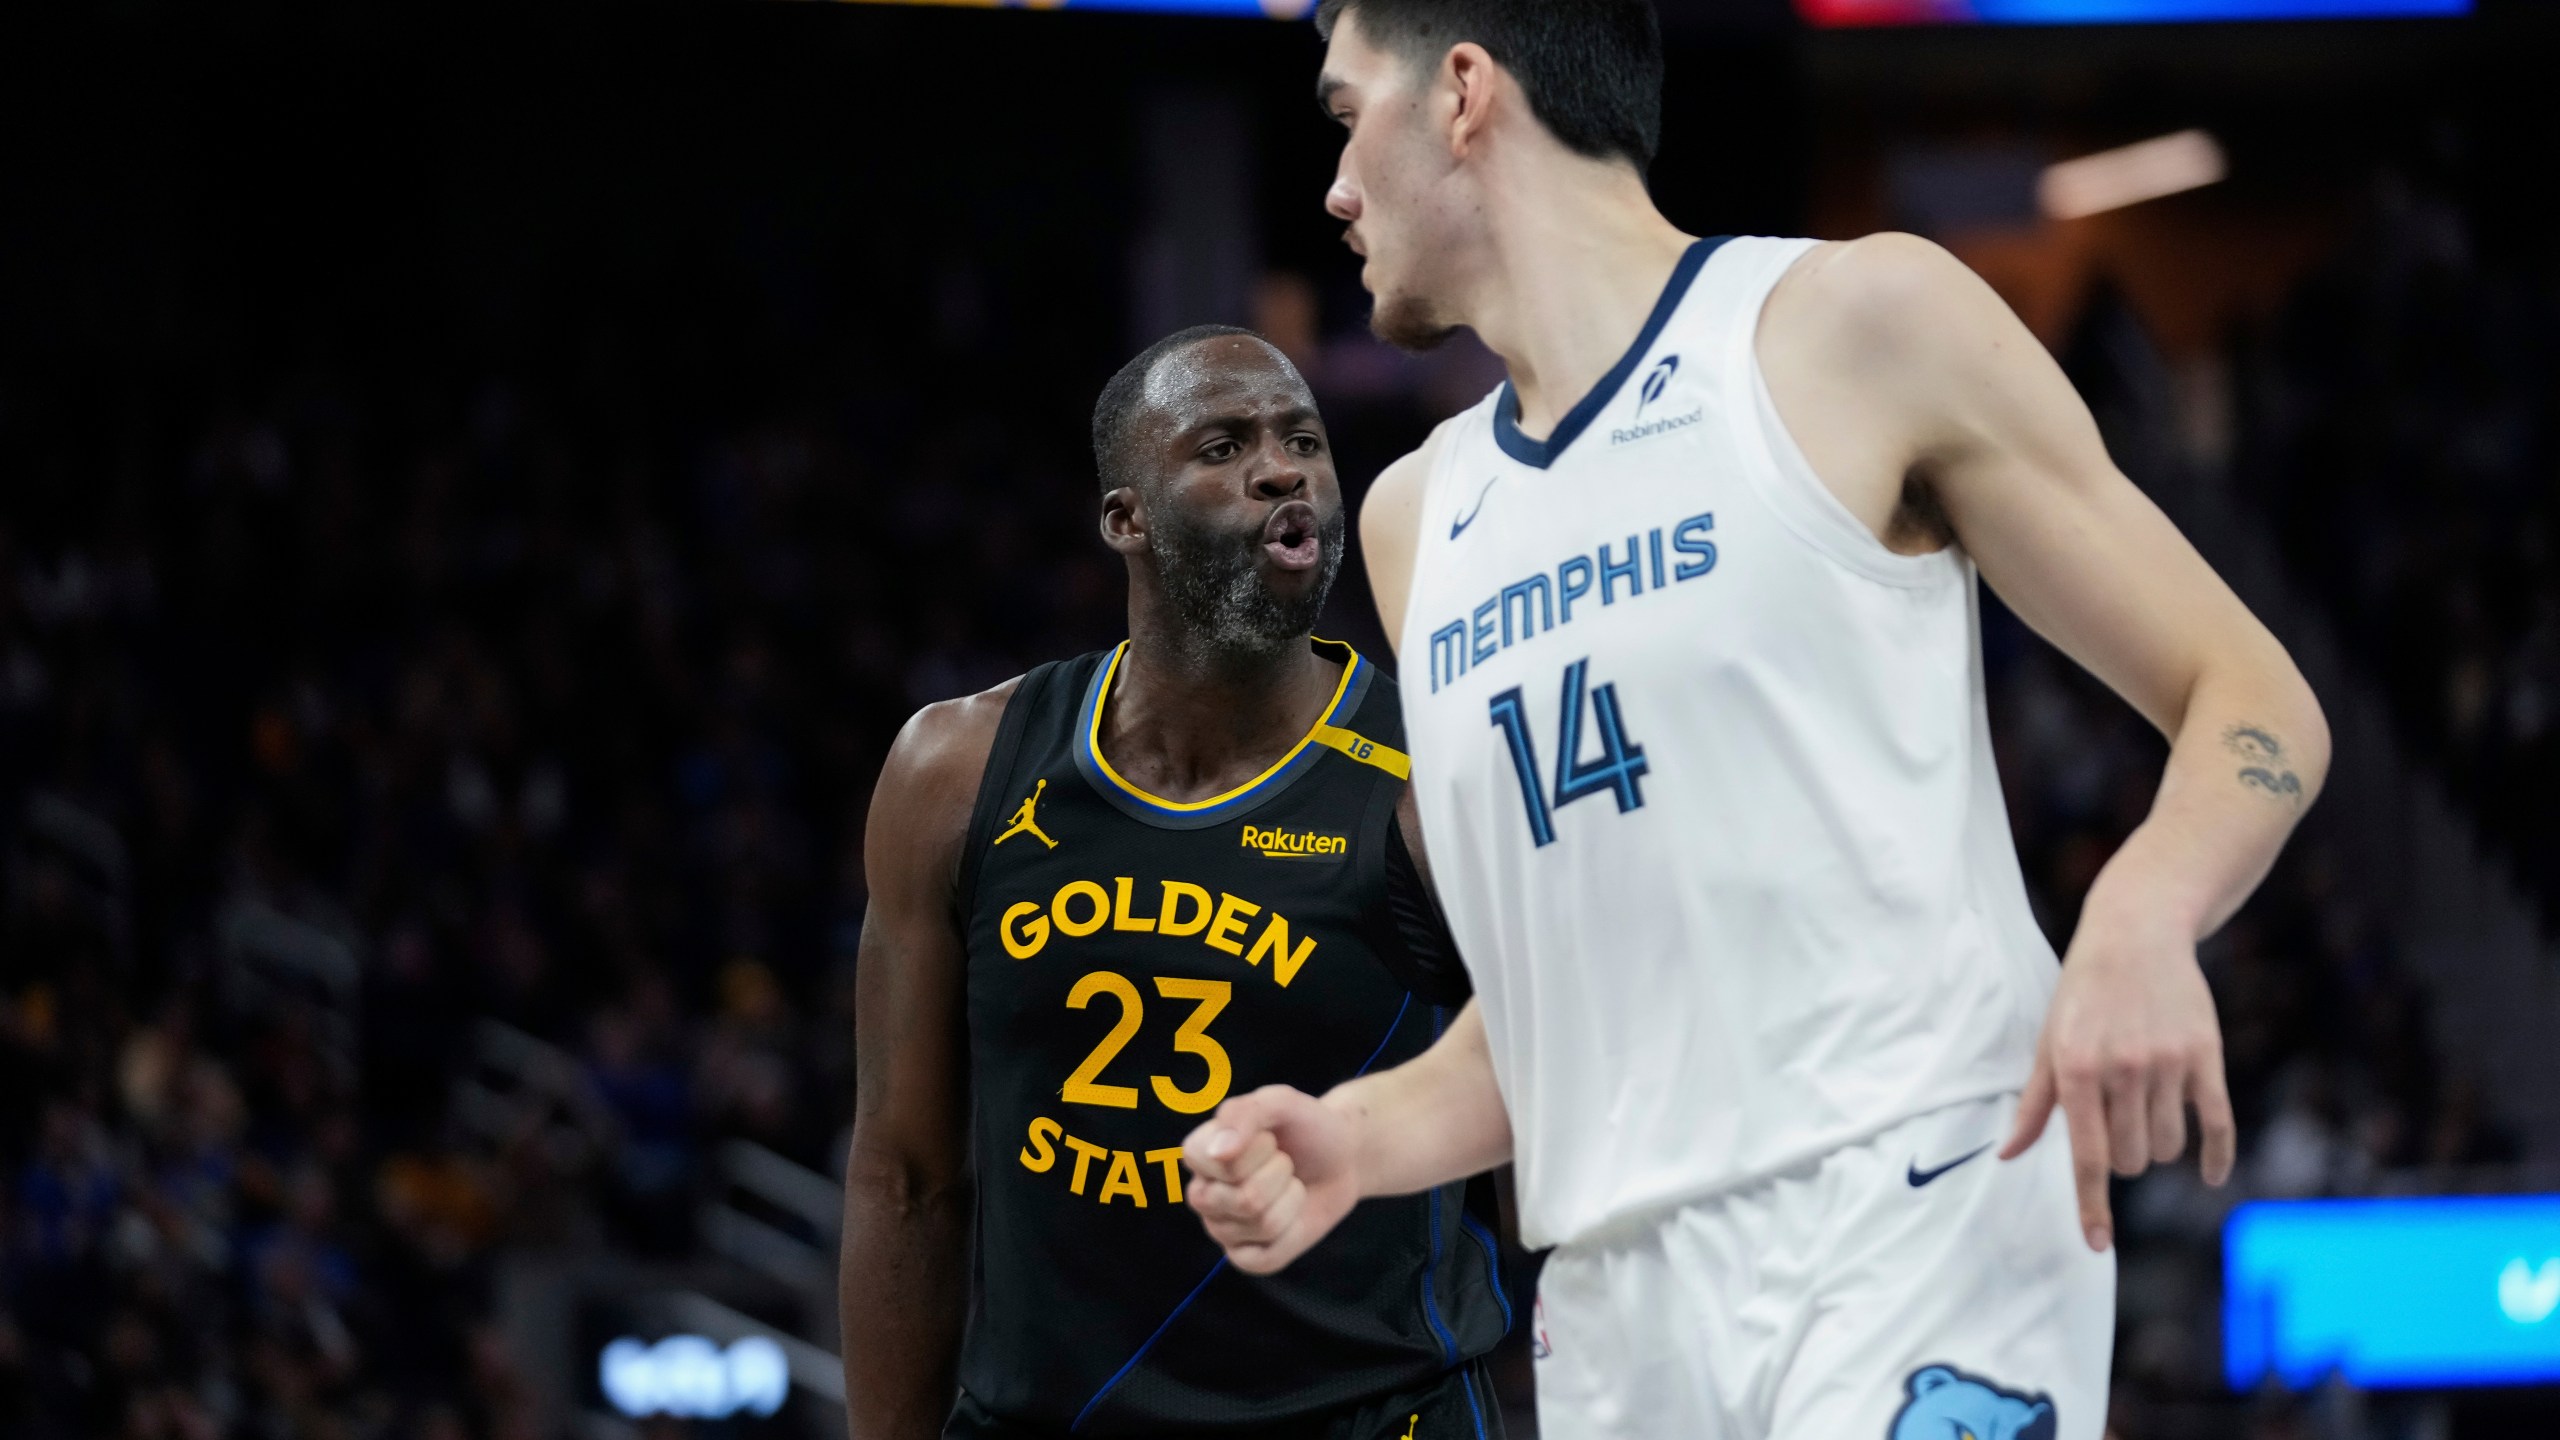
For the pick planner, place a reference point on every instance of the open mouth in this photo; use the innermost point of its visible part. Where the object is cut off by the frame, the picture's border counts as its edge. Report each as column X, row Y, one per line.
column 1291, row 537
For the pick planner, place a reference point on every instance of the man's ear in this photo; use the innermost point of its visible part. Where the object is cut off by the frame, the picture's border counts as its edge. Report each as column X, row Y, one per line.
column 1124, row 520
column 1468, row 80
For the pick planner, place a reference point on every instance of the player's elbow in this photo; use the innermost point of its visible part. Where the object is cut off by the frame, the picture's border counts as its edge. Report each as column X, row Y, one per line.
column 2274, row 700
column 889, row 1182
column 2303, row 723
column 2311, row 722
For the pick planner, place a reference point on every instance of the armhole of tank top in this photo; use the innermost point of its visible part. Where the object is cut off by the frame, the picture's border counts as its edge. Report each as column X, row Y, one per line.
column 1777, row 465
column 994, row 783
column 1414, row 939
column 1453, row 436
column 1376, row 887
column 1478, row 416
column 1377, row 824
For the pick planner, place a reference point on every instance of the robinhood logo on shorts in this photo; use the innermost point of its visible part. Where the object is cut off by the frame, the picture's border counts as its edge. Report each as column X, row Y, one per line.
column 1657, row 381
column 1296, row 844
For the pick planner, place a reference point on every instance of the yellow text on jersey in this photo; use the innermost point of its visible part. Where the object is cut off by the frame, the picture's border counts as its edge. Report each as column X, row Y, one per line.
column 1295, row 844
column 1083, row 907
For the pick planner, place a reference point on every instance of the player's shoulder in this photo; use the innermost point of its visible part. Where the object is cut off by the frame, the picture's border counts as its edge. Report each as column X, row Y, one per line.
column 1393, row 508
column 1873, row 298
column 1391, row 518
column 927, row 790
column 943, row 748
column 1877, row 273
column 1412, row 470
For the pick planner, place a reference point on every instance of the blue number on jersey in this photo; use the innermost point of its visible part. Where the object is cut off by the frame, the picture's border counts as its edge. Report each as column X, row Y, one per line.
column 1512, row 718
column 1620, row 765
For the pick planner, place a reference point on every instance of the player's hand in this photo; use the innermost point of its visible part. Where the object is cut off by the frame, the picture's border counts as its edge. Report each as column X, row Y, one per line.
column 2132, row 1040
column 1271, row 1174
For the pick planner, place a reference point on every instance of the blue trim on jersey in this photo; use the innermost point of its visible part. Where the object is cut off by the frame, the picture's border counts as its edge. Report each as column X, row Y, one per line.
column 1543, row 453
column 1474, row 1411
column 1431, row 1301
column 1123, row 1372
column 1493, row 1265
column 1176, row 1313
column 1349, row 693
column 1392, row 1027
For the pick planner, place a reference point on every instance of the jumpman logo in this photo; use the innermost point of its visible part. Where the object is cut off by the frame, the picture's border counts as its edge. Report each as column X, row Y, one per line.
column 1412, row 1421
column 1025, row 820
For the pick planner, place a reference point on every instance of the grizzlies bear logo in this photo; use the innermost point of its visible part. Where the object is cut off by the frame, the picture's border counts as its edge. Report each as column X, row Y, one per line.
column 1948, row 1404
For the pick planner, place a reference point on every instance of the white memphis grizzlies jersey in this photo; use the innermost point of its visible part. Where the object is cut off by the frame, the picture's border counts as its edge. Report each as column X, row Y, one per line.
column 1707, row 782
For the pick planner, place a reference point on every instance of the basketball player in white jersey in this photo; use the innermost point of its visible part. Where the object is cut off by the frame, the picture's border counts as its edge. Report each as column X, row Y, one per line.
column 1687, row 617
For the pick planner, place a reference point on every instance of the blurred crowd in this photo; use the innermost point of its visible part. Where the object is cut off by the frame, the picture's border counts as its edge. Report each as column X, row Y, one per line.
column 338, row 724
column 2406, row 447
column 346, row 715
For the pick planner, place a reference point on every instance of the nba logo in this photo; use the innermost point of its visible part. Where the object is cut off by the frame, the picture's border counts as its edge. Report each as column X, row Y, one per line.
column 1539, row 1349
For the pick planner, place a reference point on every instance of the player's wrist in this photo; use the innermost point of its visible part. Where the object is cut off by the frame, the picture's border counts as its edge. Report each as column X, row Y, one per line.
column 1354, row 1104
column 2142, row 891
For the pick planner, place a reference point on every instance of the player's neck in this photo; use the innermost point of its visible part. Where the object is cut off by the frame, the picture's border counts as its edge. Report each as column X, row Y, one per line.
column 1577, row 260
column 1186, row 722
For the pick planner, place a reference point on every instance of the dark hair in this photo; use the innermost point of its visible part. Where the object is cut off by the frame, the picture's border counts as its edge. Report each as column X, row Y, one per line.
column 1592, row 68
column 1117, row 410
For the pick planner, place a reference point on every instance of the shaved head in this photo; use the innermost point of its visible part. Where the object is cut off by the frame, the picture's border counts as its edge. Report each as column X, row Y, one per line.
column 1218, row 482
column 1153, row 383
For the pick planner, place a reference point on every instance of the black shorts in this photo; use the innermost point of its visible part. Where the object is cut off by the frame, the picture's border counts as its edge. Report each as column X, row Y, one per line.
column 1457, row 1406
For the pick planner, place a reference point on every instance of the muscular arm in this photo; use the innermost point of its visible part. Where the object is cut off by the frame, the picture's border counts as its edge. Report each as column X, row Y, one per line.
column 906, row 1202
column 1903, row 376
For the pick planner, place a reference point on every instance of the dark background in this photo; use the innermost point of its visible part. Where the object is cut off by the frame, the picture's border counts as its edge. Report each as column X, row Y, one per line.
column 481, row 488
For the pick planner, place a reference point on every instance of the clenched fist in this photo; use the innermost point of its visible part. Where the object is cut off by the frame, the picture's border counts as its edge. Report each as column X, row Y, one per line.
column 1272, row 1173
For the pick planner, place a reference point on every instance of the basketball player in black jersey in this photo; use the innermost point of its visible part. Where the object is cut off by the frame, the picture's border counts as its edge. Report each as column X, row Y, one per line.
column 1106, row 896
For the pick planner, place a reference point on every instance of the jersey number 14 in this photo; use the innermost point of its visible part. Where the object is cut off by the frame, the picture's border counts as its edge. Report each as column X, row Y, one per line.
column 1617, row 771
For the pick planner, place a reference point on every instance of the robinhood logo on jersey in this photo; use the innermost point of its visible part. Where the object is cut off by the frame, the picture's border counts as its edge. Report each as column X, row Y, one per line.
column 1296, row 844
column 1656, row 381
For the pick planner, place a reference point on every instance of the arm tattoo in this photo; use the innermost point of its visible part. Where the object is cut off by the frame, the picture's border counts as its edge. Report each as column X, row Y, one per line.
column 2264, row 766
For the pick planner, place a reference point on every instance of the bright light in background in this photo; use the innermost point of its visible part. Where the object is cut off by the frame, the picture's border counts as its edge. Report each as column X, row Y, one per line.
column 2129, row 175
column 689, row 1377
column 1272, row 9
column 2393, row 1293
column 1855, row 13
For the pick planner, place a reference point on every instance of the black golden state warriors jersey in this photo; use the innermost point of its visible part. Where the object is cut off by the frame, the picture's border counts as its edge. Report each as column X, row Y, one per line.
column 1132, row 963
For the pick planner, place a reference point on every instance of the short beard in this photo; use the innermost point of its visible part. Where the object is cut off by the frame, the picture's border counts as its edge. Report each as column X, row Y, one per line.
column 1214, row 581
column 1409, row 323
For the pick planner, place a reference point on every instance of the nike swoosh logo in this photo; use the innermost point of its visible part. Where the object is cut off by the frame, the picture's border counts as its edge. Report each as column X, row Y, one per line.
column 1919, row 1177
column 1459, row 526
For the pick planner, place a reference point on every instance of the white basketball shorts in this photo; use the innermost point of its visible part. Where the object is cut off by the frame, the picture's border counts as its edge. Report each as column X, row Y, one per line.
column 1910, row 1287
